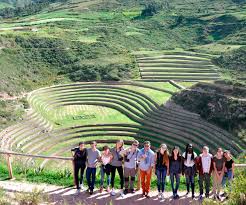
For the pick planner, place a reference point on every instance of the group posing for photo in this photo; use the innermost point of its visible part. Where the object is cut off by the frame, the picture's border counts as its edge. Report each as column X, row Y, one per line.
column 133, row 164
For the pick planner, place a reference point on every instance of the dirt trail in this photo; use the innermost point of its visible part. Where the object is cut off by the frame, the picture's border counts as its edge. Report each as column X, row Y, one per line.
column 58, row 195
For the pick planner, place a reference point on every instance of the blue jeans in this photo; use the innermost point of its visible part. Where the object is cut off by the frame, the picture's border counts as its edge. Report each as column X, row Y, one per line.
column 91, row 177
column 229, row 176
column 177, row 177
column 161, row 178
column 102, row 177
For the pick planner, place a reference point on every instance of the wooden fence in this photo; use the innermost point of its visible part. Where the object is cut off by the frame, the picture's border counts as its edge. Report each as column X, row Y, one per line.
column 11, row 153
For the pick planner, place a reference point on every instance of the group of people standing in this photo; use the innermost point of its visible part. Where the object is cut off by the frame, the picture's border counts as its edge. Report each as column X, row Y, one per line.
column 134, row 164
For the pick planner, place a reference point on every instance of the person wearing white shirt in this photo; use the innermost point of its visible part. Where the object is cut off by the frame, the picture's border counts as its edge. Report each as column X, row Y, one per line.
column 106, row 159
column 204, row 166
column 189, row 168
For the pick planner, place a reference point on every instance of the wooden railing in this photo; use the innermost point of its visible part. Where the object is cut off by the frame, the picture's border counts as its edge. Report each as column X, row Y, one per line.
column 10, row 153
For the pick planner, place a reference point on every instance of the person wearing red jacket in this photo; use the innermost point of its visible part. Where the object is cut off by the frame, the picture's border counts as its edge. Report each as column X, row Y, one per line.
column 204, row 165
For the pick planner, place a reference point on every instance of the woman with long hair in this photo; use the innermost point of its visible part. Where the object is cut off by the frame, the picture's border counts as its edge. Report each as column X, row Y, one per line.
column 189, row 168
column 175, row 166
column 161, row 168
column 116, row 164
column 106, row 159
column 229, row 170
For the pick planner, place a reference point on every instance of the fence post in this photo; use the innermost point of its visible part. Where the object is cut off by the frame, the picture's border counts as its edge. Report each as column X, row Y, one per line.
column 9, row 166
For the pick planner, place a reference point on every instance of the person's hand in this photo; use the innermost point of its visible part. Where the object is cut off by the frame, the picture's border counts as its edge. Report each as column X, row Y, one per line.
column 149, row 170
column 168, row 172
column 220, row 178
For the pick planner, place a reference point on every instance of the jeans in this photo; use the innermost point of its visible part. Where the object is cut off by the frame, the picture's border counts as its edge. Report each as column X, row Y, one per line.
column 204, row 178
column 91, row 177
column 102, row 177
column 190, row 180
column 229, row 176
column 177, row 177
column 78, row 167
column 120, row 172
column 161, row 178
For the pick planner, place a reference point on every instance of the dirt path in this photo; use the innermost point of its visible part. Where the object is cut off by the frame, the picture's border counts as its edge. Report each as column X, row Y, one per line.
column 60, row 195
column 6, row 96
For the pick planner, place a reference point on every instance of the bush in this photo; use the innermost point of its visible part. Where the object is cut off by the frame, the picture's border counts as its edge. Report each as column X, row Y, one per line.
column 233, row 60
column 33, row 198
column 238, row 194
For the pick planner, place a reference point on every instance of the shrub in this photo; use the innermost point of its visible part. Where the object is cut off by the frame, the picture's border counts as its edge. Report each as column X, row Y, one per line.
column 33, row 198
column 238, row 194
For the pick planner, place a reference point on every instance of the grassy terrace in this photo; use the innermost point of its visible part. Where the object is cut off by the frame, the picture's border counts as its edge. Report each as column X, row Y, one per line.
column 176, row 65
column 63, row 115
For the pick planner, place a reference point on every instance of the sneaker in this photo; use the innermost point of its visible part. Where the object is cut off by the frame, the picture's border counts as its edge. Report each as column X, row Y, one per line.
column 101, row 189
column 187, row 193
column 200, row 197
column 177, row 196
column 193, row 196
column 162, row 196
column 147, row 195
column 159, row 195
column 113, row 192
column 218, row 197
column 207, row 195
column 132, row 191
column 223, row 195
column 77, row 191
column 121, row 193
column 108, row 189
column 126, row 191
column 91, row 192
column 143, row 194
column 82, row 186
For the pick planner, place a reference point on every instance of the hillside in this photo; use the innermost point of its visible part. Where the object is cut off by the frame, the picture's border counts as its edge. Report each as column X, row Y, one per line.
column 167, row 71
column 101, row 70
column 220, row 104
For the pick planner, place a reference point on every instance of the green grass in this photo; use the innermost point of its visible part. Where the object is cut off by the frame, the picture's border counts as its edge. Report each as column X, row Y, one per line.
column 65, row 178
column 95, row 114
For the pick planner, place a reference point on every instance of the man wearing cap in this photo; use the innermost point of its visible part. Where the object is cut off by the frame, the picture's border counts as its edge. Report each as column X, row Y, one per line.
column 130, row 166
column 147, row 161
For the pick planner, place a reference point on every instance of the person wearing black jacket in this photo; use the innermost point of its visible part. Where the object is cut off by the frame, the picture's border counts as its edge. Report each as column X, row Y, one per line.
column 175, row 169
column 79, row 160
